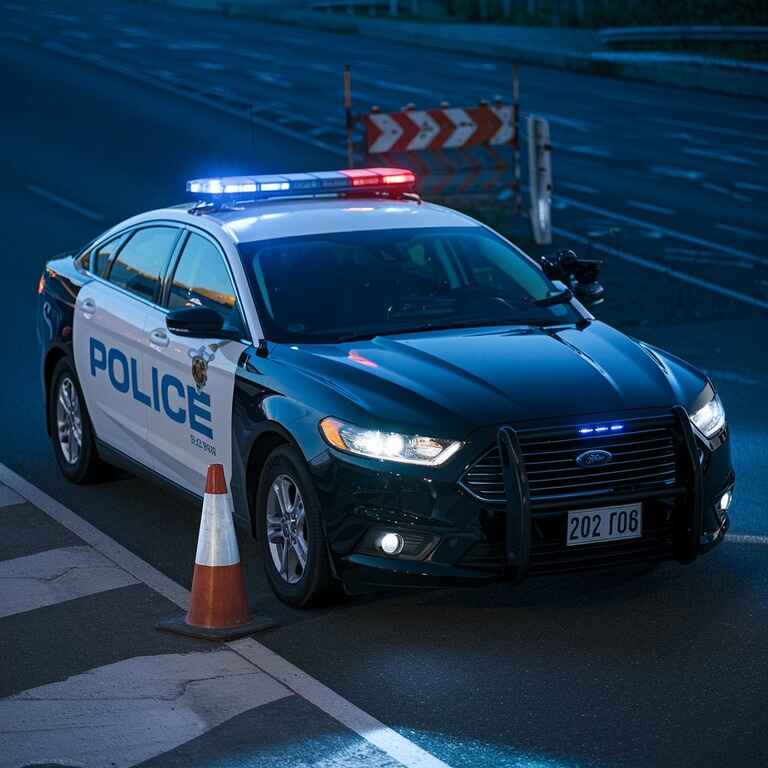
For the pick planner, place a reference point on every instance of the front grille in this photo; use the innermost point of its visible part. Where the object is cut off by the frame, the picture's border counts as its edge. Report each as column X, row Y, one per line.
column 644, row 460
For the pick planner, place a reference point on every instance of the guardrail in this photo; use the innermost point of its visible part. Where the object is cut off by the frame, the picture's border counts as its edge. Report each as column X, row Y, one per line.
column 623, row 35
column 374, row 7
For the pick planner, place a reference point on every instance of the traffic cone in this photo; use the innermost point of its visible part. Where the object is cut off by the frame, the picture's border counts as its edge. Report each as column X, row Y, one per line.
column 218, row 609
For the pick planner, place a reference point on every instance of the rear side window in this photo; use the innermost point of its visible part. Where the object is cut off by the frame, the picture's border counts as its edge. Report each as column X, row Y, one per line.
column 97, row 259
column 140, row 264
column 202, row 280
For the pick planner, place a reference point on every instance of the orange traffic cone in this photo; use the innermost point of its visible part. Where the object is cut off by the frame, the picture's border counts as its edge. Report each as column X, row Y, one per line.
column 218, row 609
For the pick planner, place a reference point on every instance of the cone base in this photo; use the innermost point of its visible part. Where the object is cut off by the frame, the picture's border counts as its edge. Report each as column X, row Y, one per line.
column 178, row 626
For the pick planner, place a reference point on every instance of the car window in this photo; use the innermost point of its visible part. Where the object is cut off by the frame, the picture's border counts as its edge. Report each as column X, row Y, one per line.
column 142, row 260
column 396, row 280
column 97, row 259
column 202, row 279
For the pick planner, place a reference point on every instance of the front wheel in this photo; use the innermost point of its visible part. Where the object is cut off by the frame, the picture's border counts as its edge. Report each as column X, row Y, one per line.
column 74, row 443
column 290, row 531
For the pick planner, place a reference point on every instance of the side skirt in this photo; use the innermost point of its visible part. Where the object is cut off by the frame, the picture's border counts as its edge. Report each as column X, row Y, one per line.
column 126, row 463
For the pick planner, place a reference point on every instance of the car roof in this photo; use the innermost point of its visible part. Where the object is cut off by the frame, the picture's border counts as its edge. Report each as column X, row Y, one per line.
column 266, row 220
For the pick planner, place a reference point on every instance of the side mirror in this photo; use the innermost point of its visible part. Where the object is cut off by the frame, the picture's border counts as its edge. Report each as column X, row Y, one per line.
column 198, row 323
column 580, row 275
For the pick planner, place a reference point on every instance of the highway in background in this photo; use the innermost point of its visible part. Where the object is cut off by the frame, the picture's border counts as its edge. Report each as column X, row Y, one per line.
column 662, row 668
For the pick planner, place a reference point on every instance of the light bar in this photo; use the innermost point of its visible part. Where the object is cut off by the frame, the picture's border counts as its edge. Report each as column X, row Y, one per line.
column 321, row 182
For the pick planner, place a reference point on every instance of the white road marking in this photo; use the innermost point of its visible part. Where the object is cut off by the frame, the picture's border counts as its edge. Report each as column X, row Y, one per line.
column 191, row 45
column 746, row 538
column 709, row 127
column 676, row 173
column 740, row 231
column 666, row 230
column 483, row 66
column 654, row 265
column 212, row 66
column 578, row 187
column 388, row 85
column 56, row 576
column 750, row 187
column 725, row 191
column 583, row 149
column 270, row 79
column 567, row 122
column 125, row 713
column 8, row 497
column 64, row 203
column 702, row 257
column 334, row 705
column 185, row 92
column 713, row 154
column 651, row 208
column 735, row 378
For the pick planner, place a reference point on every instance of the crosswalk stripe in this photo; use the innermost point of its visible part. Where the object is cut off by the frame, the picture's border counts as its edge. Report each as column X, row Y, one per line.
column 55, row 576
column 324, row 698
column 8, row 497
column 125, row 713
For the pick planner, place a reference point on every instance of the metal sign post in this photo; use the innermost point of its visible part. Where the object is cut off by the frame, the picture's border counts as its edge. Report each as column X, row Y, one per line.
column 540, row 166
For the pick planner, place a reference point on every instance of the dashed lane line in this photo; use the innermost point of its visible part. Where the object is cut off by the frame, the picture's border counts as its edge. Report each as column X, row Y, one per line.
column 56, row 576
column 665, row 230
column 324, row 698
column 650, row 207
column 63, row 202
column 244, row 113
column 664, row 269
column 746, row 538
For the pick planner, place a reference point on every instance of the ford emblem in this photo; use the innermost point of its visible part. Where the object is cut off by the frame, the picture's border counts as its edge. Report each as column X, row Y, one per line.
column 594, row 458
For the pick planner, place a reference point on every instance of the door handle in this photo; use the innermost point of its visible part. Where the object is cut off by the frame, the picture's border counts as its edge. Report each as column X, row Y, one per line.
column 88, row 307
column 159, row 338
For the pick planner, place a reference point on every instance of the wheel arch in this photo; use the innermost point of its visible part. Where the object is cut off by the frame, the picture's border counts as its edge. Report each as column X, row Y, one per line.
column 53, row 357
column 272, row 436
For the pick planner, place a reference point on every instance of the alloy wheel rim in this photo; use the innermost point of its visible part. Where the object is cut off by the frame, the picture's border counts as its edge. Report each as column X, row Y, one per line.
column 287, row 534
column 69, row 421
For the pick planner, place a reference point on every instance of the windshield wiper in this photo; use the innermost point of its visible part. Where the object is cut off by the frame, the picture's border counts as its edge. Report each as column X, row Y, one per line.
column 561, row 297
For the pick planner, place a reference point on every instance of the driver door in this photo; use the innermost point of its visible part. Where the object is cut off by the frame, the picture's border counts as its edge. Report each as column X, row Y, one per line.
column 196, row 377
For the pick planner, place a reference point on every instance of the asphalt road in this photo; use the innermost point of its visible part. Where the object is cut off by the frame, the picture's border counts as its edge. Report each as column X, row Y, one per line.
column 653, row 668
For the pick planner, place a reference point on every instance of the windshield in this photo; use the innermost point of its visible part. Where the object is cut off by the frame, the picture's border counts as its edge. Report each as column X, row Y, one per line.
column 332, row 287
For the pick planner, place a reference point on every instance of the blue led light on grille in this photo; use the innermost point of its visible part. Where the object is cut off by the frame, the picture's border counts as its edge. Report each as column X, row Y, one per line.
column 357, row 179
column 600, row 429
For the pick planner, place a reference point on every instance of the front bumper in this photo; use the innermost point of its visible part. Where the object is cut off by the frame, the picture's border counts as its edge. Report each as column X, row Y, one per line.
column 474, row 541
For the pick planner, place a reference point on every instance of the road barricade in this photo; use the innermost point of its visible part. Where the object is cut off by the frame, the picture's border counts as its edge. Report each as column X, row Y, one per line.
column 464, row 157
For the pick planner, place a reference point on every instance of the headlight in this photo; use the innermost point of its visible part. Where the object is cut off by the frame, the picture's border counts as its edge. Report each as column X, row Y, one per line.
column 390, row 446
column 710, row 418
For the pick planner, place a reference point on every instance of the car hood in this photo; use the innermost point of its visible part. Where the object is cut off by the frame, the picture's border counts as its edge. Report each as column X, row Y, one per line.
column 451, row 382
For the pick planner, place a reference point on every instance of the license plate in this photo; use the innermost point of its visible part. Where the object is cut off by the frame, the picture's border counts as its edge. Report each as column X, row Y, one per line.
column 590, row 526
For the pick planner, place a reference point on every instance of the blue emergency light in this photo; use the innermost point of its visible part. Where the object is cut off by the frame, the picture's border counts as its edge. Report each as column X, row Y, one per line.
column 321, row 182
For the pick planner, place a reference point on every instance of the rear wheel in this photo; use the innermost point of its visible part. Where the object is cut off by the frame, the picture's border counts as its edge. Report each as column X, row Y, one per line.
column 74, row 443
column 290, row 531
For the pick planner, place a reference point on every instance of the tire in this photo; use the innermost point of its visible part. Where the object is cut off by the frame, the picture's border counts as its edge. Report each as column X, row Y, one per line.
column 299, row 585
column 78, row 463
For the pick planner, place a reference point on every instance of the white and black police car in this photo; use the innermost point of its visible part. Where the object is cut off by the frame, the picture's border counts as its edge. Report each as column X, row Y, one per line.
column 398, row 394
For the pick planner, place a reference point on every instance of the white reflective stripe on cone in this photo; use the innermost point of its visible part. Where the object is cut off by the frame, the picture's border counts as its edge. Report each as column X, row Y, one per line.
column 217, row 542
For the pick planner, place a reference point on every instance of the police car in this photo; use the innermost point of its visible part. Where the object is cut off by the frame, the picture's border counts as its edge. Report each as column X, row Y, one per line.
column 398, row 394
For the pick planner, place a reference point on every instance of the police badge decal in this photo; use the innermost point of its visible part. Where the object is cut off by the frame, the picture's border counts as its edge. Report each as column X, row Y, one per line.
column 200, row 358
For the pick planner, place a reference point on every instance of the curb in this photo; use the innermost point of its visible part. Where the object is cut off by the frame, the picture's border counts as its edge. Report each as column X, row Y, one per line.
column 705, row 78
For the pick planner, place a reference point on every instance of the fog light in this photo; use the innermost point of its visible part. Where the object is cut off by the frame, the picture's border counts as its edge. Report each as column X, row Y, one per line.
column 725, row 501
column 391, row 543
